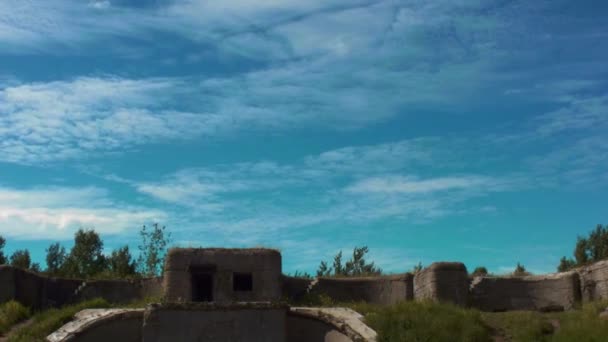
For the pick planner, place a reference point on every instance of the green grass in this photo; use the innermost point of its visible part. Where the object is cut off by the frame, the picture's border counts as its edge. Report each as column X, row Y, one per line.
column 12, row 313
column 45, row 322
column 424, row 321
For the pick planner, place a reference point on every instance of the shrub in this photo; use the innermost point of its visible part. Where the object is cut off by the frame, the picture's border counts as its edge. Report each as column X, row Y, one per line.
column 47, row 321
column 12, row 313
column 424, row 321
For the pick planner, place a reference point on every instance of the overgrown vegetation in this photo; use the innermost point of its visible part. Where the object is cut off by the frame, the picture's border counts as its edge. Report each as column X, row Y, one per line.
column 588, row 249
column 11, row 313
column 424, row 321
column 45, row 322
column 86, row 259
column 355, row 266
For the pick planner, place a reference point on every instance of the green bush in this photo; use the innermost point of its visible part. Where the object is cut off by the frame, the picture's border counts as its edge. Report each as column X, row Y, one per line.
column 424, row 321
column 12, row 313
column 583, row 325
column 45, row 322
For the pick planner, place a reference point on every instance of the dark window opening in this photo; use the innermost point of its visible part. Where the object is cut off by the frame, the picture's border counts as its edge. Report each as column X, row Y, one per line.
column 242, row 282
column 202, row 287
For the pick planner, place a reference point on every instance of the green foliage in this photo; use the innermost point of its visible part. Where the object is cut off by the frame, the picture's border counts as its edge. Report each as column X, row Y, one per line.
column 2, row 244
column 354, row 267
column 565, row 264
column 583, row 325
column 86, row 258
column 55, row 258
column 46, row 322
column 35, row 267
column 323, row 270
column 520, row 271
column 21, row 259
column 588, row 249
column 121, row 263
column 12, row 313
column 304, row 275
column 152, row 249
column 424, row 321
column 480, row 271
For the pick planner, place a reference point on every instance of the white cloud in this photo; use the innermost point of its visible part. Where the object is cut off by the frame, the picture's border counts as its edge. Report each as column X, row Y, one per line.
column 55, row 213
column 412, row 185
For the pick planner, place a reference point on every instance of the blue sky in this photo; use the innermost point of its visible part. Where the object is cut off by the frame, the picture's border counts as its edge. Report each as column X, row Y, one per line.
column 464, row 130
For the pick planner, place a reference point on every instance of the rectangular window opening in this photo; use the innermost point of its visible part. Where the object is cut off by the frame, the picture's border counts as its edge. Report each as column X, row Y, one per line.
column 242, row 282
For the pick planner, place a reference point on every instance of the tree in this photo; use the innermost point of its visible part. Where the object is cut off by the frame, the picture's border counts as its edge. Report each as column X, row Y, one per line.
column 520, row 270
column 480, row 271
column 55, row 258
column 2, row 244
column 35, row 267
column 566, row 264
column 356, row 266
column 21, row 259
column 121, row 263
column 418, row 267
column 153, row 246
column 588, row 249
column 86, row 258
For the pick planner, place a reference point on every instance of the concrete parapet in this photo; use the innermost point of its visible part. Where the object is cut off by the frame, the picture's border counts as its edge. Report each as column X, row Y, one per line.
column 552, row 292
column 594, row 281
column 383, row 290
column 443, row 282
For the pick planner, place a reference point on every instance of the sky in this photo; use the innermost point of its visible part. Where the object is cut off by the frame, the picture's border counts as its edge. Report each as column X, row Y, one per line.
column 448, row 130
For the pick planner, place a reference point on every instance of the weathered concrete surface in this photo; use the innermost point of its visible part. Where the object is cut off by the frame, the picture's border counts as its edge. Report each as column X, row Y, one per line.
column 306, row 324
column 7, row 283
column 443, row 282
column 594, row 281
column 263, row 264
column 384, row 290
column 295, row 288
column 208, row 322
column 38, row 291
column 99, row 325
column 551, row 292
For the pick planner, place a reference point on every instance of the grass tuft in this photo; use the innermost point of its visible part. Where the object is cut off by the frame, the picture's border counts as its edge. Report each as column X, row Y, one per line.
column 11, row 313
column 45, row 322
column 424, row 321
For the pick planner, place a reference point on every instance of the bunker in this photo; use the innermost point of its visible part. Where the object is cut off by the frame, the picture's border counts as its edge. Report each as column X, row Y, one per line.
column 222, row 275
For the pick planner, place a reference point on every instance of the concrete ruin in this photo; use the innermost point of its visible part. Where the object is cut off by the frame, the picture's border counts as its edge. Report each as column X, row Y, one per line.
column 214, row 294
column 222, row 275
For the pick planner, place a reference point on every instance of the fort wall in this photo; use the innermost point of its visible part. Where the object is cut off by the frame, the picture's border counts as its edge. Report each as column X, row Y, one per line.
column 554, row 292
column 443, row 282
column 383, row 290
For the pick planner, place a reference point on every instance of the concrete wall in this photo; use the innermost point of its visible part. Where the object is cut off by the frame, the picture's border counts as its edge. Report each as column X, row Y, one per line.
column 7, row 283
column 38, row 291
column 210, row 323
column 594, row 281
column 100, row 325
column 555, row 292
column 307, row 329
column 294, row 288
column 444, row 282
column 263, row 264
column 383, row 290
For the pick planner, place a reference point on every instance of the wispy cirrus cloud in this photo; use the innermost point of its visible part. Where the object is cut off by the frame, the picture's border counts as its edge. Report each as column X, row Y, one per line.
column 56, row 212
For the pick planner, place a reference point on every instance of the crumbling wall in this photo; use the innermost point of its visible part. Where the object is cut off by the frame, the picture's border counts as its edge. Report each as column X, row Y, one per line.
column 213, row 323
column 594, row 281
column 295, row 288
column 443, row 282
column 384, row 290
column 553, row 292
column 38, row 291
column 302, row 328
column 100, row 325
